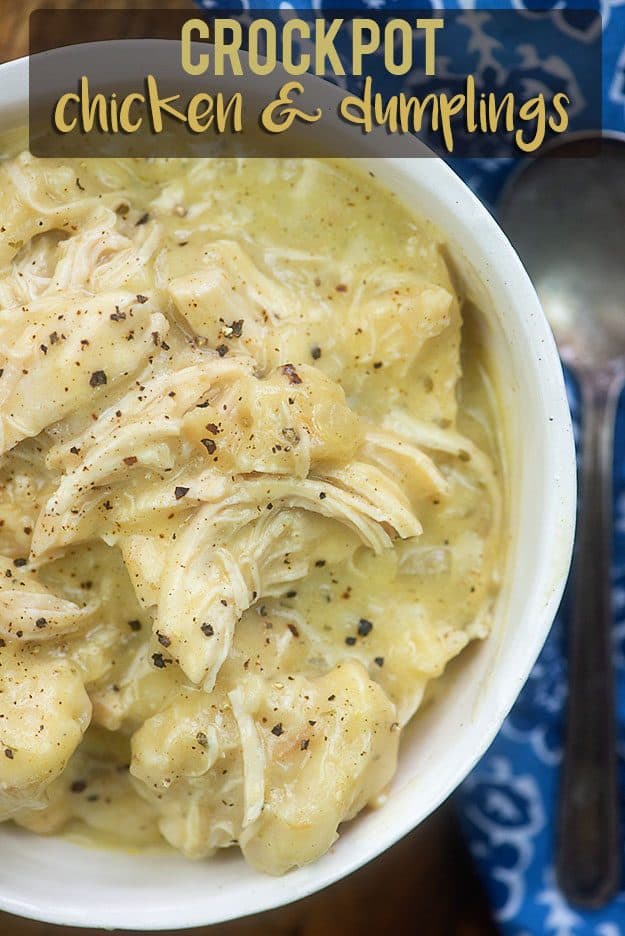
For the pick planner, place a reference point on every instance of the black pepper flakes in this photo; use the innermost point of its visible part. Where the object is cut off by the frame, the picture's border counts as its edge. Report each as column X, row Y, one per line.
column 209, row 445
column 134, row 625
column 97, row 379
column 180, row 492
column 201, row 739
column 78, row 786
column 235, row 329
column 379, row 661
column 222, row 350
column 291, row 373
column 291, row 594
column 163, row 639
column 207, row 629
column 315, row 352
column 159, row 662
column 41, row 623
column 277, row 730
column 8, row 753
column 18, row 563
column 320, row 563
column 141, row 299
column 118, row 316
column 303, row 745
column 322, row 495
column 3, row 642
column 364, row 627
column 350, row 641
column 143, row 219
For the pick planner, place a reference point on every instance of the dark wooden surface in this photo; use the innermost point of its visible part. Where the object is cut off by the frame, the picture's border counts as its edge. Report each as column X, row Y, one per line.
column 426, row 884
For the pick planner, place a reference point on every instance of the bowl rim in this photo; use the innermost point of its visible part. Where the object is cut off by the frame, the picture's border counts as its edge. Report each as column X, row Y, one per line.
column 507, row 274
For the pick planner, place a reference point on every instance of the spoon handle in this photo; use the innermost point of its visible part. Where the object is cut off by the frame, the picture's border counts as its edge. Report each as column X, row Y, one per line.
column 587, row 858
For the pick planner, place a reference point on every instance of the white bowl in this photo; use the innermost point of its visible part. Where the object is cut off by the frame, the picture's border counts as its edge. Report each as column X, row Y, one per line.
column 54, row 880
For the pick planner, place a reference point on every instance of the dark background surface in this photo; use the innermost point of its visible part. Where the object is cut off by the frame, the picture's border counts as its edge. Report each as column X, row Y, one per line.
column 426, row 884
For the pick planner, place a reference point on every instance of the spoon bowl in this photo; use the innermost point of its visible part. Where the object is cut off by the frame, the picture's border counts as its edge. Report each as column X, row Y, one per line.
column 565, row 213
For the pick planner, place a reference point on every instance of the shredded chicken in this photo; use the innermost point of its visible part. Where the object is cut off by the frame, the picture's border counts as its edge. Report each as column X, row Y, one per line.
column 45, row 712
column 30, row 612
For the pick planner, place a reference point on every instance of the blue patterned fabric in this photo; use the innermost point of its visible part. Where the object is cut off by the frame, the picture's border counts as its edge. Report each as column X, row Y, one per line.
column 508, row 801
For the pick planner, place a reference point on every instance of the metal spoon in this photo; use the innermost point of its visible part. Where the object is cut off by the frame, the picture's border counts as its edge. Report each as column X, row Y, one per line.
column 566, row 217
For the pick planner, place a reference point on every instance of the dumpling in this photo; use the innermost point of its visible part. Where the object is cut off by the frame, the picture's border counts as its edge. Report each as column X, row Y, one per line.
column 276, row 766
column 45, row 711
column 330, row 748
column 290, row 421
